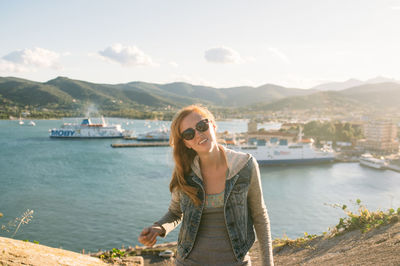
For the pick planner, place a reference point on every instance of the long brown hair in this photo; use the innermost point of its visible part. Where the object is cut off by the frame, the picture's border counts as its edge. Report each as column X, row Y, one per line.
column 183, row 156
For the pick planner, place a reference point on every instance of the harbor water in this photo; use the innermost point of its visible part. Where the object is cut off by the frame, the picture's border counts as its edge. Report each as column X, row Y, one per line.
column 87, row 195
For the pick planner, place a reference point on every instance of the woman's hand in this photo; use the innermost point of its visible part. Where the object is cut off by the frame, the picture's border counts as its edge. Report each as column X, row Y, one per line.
column 148, row 236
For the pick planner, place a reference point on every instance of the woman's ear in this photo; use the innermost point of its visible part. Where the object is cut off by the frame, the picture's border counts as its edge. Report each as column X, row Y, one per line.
column 186, row 144
column 214, row 125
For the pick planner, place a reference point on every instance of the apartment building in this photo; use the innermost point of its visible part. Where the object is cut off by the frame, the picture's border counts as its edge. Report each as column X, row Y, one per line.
column 381, row 137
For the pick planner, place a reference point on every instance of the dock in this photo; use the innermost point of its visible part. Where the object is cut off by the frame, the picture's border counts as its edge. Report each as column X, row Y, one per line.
column 140, row 145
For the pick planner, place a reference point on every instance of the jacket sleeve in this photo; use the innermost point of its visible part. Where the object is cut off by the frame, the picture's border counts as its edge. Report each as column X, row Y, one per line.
column 173, row 217
column 259, row 215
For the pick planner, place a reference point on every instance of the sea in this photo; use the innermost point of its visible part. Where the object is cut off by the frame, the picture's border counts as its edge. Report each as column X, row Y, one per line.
column 87, row 195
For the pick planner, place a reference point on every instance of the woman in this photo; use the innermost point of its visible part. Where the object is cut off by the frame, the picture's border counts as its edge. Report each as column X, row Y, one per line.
column 216, row 193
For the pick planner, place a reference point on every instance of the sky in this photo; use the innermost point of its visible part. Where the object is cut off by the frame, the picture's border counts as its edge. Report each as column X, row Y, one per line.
column 298, row 44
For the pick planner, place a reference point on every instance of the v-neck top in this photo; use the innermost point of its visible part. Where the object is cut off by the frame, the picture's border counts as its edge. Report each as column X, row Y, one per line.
column 214, row 200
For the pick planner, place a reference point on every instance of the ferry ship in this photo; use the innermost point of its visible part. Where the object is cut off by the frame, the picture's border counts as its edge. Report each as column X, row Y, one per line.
column 283, row 153
column 370, row 161
column 280, row 152
column 87, row 129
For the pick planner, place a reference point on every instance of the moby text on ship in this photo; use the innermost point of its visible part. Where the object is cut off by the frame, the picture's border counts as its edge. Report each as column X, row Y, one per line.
column 87, row 129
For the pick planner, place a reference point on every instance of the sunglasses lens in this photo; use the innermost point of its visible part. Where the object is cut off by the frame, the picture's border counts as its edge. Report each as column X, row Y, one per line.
column 188, row 134
column 202, row 125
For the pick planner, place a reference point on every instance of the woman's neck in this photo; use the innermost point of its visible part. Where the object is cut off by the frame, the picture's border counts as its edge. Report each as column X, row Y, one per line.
column 213, row 159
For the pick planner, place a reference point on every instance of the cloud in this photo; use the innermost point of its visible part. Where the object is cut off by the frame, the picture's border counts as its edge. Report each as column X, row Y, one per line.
column 27, row 59
column 277, row 53
column 7, row 66
column 126, row 55
column 222, row 55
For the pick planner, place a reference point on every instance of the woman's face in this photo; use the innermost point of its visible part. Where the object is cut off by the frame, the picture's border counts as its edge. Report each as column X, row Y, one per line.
column 202, row 141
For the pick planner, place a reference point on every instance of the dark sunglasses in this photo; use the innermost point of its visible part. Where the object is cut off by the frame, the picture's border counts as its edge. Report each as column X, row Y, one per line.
column 201, row 126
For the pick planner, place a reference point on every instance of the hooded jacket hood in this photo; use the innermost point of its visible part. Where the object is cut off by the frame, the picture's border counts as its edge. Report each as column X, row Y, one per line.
column 235, row 160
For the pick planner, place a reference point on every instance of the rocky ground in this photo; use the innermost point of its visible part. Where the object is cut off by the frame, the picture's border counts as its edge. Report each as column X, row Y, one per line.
column 380, row 246
column 16, row 252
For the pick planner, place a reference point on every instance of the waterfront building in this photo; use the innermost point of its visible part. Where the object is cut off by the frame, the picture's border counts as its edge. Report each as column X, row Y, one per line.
column 252, row 126
column 380, row 137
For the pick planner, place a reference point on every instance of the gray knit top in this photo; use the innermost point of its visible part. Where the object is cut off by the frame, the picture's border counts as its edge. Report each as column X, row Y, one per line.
column 212, row 245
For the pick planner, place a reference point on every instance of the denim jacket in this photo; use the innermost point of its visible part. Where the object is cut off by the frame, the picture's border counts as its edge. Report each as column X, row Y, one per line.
column 244, row 209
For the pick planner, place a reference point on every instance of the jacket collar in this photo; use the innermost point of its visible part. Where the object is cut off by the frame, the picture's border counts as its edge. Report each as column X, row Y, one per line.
column 236, row 161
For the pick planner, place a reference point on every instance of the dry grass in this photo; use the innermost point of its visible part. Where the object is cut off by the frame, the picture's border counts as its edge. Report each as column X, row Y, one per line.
column 25, row 218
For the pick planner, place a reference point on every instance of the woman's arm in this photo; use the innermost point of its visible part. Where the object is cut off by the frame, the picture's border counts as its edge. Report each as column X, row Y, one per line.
column 173, row 216
column 166, row 224
column 259, row 215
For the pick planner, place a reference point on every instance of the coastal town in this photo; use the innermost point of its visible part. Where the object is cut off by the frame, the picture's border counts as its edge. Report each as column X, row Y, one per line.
column 374, row 142
column 376, row 145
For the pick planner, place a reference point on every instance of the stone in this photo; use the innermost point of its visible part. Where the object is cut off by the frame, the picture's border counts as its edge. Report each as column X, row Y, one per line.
column 17, row 252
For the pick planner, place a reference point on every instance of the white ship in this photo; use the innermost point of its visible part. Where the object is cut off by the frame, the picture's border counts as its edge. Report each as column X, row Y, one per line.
column 280, row 152
column 283, row 153
column 157, row 135
column 370, row 161
column 87, row 129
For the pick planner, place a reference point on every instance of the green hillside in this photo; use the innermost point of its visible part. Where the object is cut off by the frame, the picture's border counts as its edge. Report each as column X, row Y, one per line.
column 366, row 98
column 316, row 100
column 382, row 95
column 66, row 96
column 25, row 92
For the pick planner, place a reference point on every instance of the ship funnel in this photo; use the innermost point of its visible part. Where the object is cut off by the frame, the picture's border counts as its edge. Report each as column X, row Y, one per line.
column 300, row 135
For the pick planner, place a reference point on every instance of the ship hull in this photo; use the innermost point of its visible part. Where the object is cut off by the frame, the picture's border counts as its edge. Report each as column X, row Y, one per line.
column 294, row 161
column 152, row 140
column 83, row 137
column 372, row 165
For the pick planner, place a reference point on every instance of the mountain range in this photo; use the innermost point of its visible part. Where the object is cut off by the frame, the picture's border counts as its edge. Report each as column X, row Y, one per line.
column 337, row 86
column 66, row 93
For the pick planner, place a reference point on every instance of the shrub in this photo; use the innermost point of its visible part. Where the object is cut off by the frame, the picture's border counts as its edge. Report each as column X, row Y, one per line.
column 298, row 242
column 363, row 219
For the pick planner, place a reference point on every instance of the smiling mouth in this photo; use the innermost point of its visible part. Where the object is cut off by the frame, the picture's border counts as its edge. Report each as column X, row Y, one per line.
column 201, row 142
